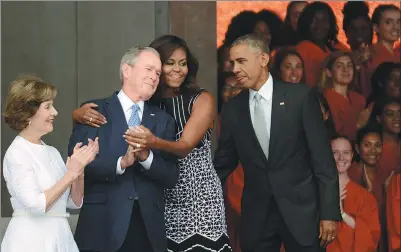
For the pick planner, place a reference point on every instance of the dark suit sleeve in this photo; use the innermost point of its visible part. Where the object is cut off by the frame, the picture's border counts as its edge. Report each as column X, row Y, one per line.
column 164, row 165
column 103, row 168
column 226, row 156
column 323, row 164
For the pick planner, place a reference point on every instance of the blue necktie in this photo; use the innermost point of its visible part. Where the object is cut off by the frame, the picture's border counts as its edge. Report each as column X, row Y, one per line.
column 134, row 120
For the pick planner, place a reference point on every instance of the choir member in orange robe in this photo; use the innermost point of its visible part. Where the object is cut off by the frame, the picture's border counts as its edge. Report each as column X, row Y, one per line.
column 345, row 105
column 287, row 65
column 318, row 32
column 386, row 82
column 367, row 174
column 386, row 115
column 360, row 228
column 393, row 213
column 386, row 24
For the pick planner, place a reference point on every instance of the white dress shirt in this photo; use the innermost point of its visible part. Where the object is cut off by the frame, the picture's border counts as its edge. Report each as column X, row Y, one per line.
column 127, row 104
column 266, row 91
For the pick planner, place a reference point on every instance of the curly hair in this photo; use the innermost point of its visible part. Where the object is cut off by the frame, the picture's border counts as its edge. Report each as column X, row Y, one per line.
column 306, row 19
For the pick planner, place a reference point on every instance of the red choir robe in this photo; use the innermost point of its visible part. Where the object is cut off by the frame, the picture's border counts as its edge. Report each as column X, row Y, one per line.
column 345, row 111
column 393, row 213
column 362, row 206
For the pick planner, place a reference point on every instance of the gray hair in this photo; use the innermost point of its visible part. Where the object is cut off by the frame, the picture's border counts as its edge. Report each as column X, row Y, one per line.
column 252, row 41
column 132, row 55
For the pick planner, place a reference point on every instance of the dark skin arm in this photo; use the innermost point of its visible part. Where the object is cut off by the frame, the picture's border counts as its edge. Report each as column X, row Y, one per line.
column 202, row 118
column 87, row 114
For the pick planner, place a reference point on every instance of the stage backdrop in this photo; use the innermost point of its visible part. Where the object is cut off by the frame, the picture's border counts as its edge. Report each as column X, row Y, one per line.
column 227, row 10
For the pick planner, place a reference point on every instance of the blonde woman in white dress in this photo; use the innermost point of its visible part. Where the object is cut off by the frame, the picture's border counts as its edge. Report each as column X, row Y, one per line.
column 40, row 184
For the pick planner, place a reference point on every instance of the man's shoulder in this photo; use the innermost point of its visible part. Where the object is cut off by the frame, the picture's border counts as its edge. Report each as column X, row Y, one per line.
column 158, row 112
column 293, row 89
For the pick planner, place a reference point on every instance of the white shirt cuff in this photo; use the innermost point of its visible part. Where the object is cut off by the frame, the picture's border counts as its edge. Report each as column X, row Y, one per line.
column 148, row 162
column 119, row 170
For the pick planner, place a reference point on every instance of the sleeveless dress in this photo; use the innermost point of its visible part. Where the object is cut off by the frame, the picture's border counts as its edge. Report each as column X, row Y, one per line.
column 195, row 213
column 29, row 169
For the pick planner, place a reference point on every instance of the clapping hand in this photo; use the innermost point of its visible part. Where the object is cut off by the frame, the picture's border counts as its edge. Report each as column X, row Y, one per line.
column 82, row 155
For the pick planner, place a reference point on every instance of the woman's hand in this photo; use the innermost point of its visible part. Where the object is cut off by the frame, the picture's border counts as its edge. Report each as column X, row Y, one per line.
column 87, row 115
column 140, row 137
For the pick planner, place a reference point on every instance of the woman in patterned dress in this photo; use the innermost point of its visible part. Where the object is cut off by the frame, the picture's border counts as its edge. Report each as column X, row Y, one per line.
column 194, row 209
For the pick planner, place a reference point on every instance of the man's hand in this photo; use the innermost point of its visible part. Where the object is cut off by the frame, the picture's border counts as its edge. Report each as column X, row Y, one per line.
column 328, row 232
column 129, row 158
column 139, row 138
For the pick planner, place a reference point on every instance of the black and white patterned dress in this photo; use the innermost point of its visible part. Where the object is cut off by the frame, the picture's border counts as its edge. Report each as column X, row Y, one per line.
column 194, row 214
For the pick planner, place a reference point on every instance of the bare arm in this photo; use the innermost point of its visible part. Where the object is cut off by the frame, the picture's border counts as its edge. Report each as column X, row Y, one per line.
column 201, row 119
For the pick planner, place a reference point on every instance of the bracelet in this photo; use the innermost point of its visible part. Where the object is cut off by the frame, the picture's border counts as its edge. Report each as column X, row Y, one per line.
column 343, row 214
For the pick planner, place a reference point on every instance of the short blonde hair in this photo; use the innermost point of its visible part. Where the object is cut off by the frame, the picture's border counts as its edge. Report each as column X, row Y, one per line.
column 25, row 94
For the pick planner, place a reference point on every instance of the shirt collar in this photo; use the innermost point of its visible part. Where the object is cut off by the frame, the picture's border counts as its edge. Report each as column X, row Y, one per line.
column 266, row 91
column 127, row 103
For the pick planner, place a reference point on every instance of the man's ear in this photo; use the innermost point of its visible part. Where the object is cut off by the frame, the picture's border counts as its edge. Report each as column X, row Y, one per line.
column 264, row 59
column 125, row 69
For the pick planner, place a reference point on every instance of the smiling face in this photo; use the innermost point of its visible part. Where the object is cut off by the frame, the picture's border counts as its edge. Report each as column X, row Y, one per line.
column 249, row 65
column 342, row 71
column 389, row 26
column 175, row 69
column 42, row 121
column 370, row 149
column 343, row 154
column 291, row 69
column 143, row 77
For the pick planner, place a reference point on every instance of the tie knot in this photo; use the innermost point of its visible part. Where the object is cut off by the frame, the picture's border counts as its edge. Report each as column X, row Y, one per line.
column 135, row 108
column 258, row 97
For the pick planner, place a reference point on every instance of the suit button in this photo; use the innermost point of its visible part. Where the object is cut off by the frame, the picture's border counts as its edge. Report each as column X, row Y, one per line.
column 107, row 179
column 130, row 198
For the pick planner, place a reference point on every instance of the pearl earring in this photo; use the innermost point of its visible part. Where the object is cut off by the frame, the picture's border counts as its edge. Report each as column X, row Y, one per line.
column 29, row 122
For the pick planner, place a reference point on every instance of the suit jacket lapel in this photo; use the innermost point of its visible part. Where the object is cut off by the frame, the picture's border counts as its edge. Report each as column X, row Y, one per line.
column 148, row 117
column 115, row 114
column 279, row 109
column 244, row 116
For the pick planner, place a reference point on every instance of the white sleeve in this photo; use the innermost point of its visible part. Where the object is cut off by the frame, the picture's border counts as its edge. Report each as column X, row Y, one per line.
column 72, row 205
column 22, row 183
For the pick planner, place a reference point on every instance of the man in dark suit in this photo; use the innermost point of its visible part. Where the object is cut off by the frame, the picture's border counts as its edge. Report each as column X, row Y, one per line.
column 276, row 131
column 123, row 206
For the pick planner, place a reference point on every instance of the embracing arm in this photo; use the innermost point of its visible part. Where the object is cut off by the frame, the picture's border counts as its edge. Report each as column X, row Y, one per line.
column 323, row 164
column 164, row 167
column 201, row 119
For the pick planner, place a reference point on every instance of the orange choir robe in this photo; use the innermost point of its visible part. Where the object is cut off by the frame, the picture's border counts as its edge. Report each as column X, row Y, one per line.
column 380, row 55
column 362, row 206
column 356, row 174
column 389, row 160
column 313, row 57
column 393, row 213
column 345, row 111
